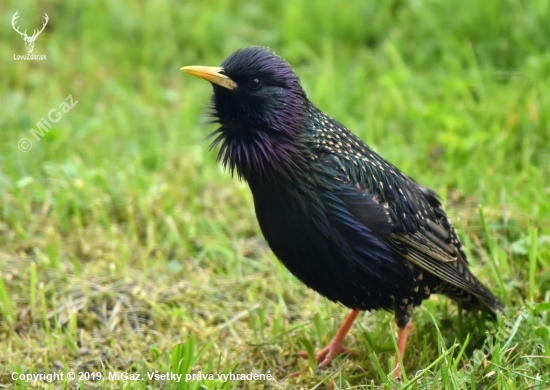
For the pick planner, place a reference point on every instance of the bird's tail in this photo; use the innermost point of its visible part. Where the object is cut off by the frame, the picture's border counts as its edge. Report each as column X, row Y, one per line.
column 486, row 302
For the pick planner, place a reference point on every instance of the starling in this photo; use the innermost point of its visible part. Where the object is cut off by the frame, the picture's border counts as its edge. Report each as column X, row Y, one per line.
column 343, row 220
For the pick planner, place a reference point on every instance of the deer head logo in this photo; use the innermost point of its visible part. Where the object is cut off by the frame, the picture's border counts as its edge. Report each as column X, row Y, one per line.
column 29, row 41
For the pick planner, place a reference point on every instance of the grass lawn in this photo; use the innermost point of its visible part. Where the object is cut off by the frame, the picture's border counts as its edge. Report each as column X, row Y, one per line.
column 126, row 250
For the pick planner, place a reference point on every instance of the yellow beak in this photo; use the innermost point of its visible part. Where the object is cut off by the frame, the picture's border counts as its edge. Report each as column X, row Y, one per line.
column 212, row 74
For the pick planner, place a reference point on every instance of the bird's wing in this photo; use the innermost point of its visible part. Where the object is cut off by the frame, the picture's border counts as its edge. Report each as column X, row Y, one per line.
column 421, row 231
column 436, row 248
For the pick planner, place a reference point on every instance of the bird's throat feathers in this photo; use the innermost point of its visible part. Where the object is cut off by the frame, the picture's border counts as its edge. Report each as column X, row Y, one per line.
column 260, row 155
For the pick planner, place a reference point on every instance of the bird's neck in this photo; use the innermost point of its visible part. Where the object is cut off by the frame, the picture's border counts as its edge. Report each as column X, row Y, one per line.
column 261, row 156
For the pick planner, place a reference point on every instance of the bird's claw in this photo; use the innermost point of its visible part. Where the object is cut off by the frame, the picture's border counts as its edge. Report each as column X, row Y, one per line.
column 324, row 356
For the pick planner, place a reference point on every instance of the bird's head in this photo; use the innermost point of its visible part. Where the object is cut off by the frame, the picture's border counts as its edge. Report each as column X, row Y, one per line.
column 254, row 90
column 261, row 106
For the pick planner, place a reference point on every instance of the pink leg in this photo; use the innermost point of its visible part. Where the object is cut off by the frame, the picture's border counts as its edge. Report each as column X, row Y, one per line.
column 401, row 346
column 336, row 346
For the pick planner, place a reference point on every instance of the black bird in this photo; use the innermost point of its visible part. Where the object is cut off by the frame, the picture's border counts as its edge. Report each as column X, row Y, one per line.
column 343, row 220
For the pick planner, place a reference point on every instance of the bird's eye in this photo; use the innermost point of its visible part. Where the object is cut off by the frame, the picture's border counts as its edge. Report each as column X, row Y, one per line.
column 254, row 83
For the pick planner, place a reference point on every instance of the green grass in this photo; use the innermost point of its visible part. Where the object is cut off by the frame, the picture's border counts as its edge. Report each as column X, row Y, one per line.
column 125, row 248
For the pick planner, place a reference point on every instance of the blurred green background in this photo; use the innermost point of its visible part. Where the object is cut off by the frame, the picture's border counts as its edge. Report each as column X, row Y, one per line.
column 120, row 236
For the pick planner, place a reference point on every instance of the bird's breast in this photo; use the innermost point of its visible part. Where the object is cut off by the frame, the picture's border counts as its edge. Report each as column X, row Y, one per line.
column 315, row 247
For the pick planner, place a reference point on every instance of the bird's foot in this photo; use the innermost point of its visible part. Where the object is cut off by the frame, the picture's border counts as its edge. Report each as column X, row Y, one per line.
column 324, row 356
column 336, row 346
